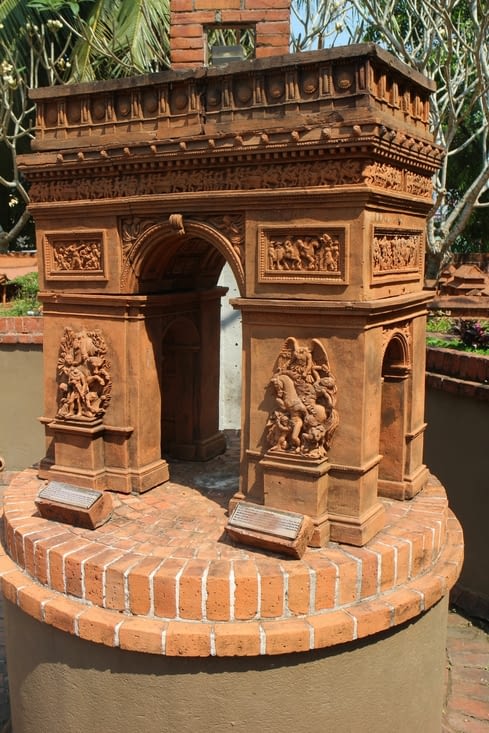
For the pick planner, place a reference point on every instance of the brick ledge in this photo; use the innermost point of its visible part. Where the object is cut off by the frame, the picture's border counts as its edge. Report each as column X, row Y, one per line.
column 21, row 330
column 370, row 596
column 194, row 639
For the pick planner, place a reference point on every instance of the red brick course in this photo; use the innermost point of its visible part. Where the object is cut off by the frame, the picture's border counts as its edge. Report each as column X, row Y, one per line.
column 188, row 19
column 140, row 583
column 21, row 330
column 458, row 372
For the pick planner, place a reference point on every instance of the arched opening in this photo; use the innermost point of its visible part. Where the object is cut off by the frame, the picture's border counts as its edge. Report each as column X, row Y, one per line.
column 393, row 420
column 177, row 272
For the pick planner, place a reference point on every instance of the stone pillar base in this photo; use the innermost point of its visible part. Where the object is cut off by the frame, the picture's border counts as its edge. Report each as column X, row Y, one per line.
column 406, row 489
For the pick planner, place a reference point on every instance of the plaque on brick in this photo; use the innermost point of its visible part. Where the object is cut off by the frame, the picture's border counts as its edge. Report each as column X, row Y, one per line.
column 270, row 521
column 69, row 494
column 75, row 505
column 271, row 529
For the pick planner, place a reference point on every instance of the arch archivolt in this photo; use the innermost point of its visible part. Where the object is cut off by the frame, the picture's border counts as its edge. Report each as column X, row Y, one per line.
column 396, row 349
column 144, row 238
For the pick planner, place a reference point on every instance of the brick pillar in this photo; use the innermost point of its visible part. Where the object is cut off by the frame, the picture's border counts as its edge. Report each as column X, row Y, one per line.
column 188, row 18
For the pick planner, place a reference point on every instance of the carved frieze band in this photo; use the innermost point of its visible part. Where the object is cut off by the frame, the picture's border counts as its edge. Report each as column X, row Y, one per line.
column 396, row 252
column 84, row 381
column 305, row 255
column 232, row 178
column 74, row 255
column 321, row 173
column 305, row 417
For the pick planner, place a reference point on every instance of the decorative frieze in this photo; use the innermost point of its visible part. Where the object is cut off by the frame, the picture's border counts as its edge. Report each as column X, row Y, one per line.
column 177, row 180
column 308, row 255
column 396, row 251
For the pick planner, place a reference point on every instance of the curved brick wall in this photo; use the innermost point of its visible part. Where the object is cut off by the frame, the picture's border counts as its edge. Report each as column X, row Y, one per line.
column 160, row 578
column 458, row 372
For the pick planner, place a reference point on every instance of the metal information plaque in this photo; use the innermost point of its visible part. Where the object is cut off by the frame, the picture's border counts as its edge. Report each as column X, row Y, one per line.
column 69, row 494
column 269, row 521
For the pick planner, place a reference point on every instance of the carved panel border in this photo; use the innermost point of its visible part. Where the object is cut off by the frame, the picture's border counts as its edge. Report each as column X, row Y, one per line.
column 396, row 254
column 75, row 254
column 303, row 255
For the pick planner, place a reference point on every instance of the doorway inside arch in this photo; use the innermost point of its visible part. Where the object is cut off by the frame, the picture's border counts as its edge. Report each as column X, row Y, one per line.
column 197, row 342
column 393, row 421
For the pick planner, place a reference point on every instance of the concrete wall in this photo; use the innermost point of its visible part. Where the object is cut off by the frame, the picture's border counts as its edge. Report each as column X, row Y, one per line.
column 388, row 682
column 456, row 450
column 21, row 380
column 230, row 382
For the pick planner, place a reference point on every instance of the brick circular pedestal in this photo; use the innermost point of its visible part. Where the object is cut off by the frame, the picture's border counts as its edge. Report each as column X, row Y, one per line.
column 162, row 578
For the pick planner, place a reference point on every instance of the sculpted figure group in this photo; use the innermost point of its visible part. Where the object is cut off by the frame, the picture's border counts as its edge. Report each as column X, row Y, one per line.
column 77, row 256
column 305, row 418
column 319, row 253
column 83, row 376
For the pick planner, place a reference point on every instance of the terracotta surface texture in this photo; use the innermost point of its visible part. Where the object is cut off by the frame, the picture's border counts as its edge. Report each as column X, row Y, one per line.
column 310, row 175
column 161, row 577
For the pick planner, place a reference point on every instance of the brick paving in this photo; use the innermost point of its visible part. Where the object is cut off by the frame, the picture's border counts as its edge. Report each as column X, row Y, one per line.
column 466, row 708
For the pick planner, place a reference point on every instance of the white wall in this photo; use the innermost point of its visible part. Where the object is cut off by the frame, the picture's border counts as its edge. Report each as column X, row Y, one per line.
column 230, row 382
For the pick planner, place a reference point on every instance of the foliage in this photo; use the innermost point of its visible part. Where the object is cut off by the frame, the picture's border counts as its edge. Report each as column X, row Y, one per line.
column 439, row 322
column 448, row 40
column 472, row 334
column 26, row 296
column 461, row 334
column 47, row 42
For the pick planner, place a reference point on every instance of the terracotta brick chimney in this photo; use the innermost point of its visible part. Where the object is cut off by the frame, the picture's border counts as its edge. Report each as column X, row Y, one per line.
column 190, row 21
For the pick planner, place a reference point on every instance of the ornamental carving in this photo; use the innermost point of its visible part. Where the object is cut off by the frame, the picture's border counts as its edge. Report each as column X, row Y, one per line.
column 383, row 175
column 396, row 251
column 80, row 253
column 73, row 256
column 305, row 417
column 419, row 185
column 131, row 228
column 314, row 255
column 233, row 227
column 84, row 383
column 174, row 180
column 400, row 329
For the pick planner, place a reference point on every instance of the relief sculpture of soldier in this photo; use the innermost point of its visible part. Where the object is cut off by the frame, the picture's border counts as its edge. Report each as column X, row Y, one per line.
column 83, row 376
column 305, row 418
column 313, row 253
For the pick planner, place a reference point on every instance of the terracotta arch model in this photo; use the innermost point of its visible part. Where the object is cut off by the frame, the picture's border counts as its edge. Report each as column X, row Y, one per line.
column 311, row 175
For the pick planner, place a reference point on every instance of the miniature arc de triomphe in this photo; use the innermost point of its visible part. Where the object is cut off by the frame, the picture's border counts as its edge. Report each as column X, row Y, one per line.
column 310, row 175
column 312, row 180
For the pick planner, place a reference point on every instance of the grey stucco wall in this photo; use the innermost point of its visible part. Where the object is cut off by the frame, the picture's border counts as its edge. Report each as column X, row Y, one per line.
column 21, row 402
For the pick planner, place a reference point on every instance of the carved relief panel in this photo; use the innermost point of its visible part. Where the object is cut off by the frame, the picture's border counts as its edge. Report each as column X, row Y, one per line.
column 84, row 381
column 396, row 252
column 305, row 255
column 305, row 417
column 74, row 255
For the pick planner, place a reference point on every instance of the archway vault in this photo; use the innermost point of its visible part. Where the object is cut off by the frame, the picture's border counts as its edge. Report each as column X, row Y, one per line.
column 181, row 254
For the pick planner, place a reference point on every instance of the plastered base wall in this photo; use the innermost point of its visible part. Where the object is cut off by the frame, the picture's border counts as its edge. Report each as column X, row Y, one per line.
column 21, row 434
column 392, row 682
column 456, row 452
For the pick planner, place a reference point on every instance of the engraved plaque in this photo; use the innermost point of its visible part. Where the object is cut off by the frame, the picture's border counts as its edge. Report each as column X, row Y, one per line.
column 269, row 521
column 69, row 494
